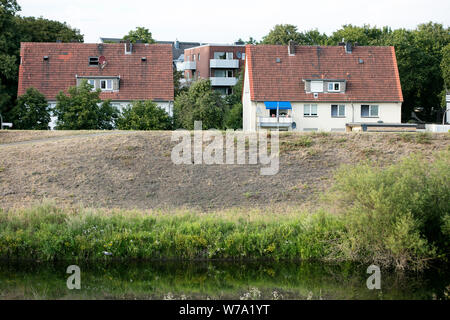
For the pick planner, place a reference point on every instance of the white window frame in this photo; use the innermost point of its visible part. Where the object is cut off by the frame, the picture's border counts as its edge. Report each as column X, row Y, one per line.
column 333, row 84
column 107, row 88
column 339, row 107
column 307, row 110
column 371, row 108
column 92, row 84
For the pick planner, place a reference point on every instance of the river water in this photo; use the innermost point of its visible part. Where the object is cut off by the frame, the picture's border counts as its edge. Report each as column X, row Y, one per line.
column 217, row 280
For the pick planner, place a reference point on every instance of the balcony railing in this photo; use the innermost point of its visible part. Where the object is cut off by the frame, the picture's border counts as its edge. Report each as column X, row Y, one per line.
column 274, row 122
column 223, row 81
column 224, row 63
column 190, row 65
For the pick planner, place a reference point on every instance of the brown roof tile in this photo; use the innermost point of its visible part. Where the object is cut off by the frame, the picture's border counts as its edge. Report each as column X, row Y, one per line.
column 374, row 80
column 150, row 80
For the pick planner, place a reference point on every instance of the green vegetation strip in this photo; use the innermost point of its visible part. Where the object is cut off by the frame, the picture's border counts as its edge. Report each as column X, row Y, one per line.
column 398, row 216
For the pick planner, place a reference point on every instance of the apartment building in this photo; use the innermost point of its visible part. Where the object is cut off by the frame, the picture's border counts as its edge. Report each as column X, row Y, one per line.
column 124, row 72
column 219, row 63
column 321, row 88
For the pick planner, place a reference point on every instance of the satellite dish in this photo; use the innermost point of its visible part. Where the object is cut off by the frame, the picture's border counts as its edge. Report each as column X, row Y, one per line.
column 238, row 54
column 102, row 62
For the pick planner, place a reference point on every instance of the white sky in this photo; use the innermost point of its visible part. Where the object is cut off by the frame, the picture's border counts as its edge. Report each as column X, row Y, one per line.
column 226, row 21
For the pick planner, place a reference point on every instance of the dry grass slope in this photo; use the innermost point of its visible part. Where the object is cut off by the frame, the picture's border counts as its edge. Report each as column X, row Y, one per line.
column 135, row 170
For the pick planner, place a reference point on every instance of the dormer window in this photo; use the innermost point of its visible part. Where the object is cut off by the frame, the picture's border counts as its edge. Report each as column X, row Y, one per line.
column 93, row 61
column 334, row 87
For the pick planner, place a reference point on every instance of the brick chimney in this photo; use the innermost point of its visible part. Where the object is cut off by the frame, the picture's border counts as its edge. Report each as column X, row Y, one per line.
column 348, row 47
column 128, row 47
column 291, row 47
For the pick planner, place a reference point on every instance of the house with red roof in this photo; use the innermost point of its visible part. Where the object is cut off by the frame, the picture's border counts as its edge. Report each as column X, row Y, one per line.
column 124, row 72
column 320, row 88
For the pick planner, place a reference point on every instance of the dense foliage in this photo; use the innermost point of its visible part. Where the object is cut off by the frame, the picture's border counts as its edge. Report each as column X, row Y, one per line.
column 394, row 217
column 140, row 34
column 144, row 115
column 15, row 29
column 199, row 103
column 31, row 112
column 82, row 109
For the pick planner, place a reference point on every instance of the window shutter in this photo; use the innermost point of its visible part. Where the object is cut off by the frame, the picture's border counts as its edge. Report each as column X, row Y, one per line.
column 316, row 86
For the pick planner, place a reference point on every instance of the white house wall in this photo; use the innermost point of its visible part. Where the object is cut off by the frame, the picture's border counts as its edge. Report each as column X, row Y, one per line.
column 248, row 106
column 387, row 112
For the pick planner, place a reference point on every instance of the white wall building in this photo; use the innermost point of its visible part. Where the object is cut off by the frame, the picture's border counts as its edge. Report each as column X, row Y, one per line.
column 309, row 88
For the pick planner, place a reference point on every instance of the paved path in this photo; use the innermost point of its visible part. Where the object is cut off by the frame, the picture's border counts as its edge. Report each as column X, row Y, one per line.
column 85, row 135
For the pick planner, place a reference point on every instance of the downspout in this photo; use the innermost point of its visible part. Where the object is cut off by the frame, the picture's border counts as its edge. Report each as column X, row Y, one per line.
column 278, row 115
column 353, row 113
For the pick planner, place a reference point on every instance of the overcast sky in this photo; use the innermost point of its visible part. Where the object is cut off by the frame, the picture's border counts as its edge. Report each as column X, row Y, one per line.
column 226, row 21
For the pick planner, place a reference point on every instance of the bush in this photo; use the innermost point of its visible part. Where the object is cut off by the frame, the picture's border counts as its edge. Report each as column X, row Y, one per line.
column 31, row 112
column 144, row 115
column 233, row 119
column 394, row 216
column 83, row 109
column 199, row 103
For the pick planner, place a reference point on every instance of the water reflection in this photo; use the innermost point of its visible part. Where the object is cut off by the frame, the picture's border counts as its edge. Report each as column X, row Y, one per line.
column 216, row 280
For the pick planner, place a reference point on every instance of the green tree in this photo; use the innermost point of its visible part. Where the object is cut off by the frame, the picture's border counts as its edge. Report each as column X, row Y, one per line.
column 445, row 66
column 140, row 33
column 83, row 109
column 177, row 86
column 15, row 29
column 31, row 112
column 144, row 115
column 8, row 55
column 233, row 116
column 281, row 34
column 445, row 69
column 314, row 38
column 199, row 103
column 44, row 30
column 419, row 56
column 365, row 35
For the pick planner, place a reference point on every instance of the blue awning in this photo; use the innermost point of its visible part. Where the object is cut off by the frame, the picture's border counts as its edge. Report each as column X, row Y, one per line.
column 274, row 104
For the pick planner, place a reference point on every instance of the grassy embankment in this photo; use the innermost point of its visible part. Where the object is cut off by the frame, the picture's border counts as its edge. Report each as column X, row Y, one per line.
column 395, row 216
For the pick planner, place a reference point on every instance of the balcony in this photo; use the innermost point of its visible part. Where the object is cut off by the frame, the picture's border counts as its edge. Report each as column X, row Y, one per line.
column 224, row 63
column 190, row 65
column 223, row 81
column 274, row 122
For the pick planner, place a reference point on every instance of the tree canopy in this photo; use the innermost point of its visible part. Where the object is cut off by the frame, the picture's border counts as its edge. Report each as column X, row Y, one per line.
column 31, row 112
column 144, row 115
column 199, row 103
column 83, row 109
column 15, row 29
column 140, row 34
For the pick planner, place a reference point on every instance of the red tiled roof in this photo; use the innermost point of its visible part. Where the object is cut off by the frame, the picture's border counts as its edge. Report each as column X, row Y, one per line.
column 150, row 80
column 374, row 80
